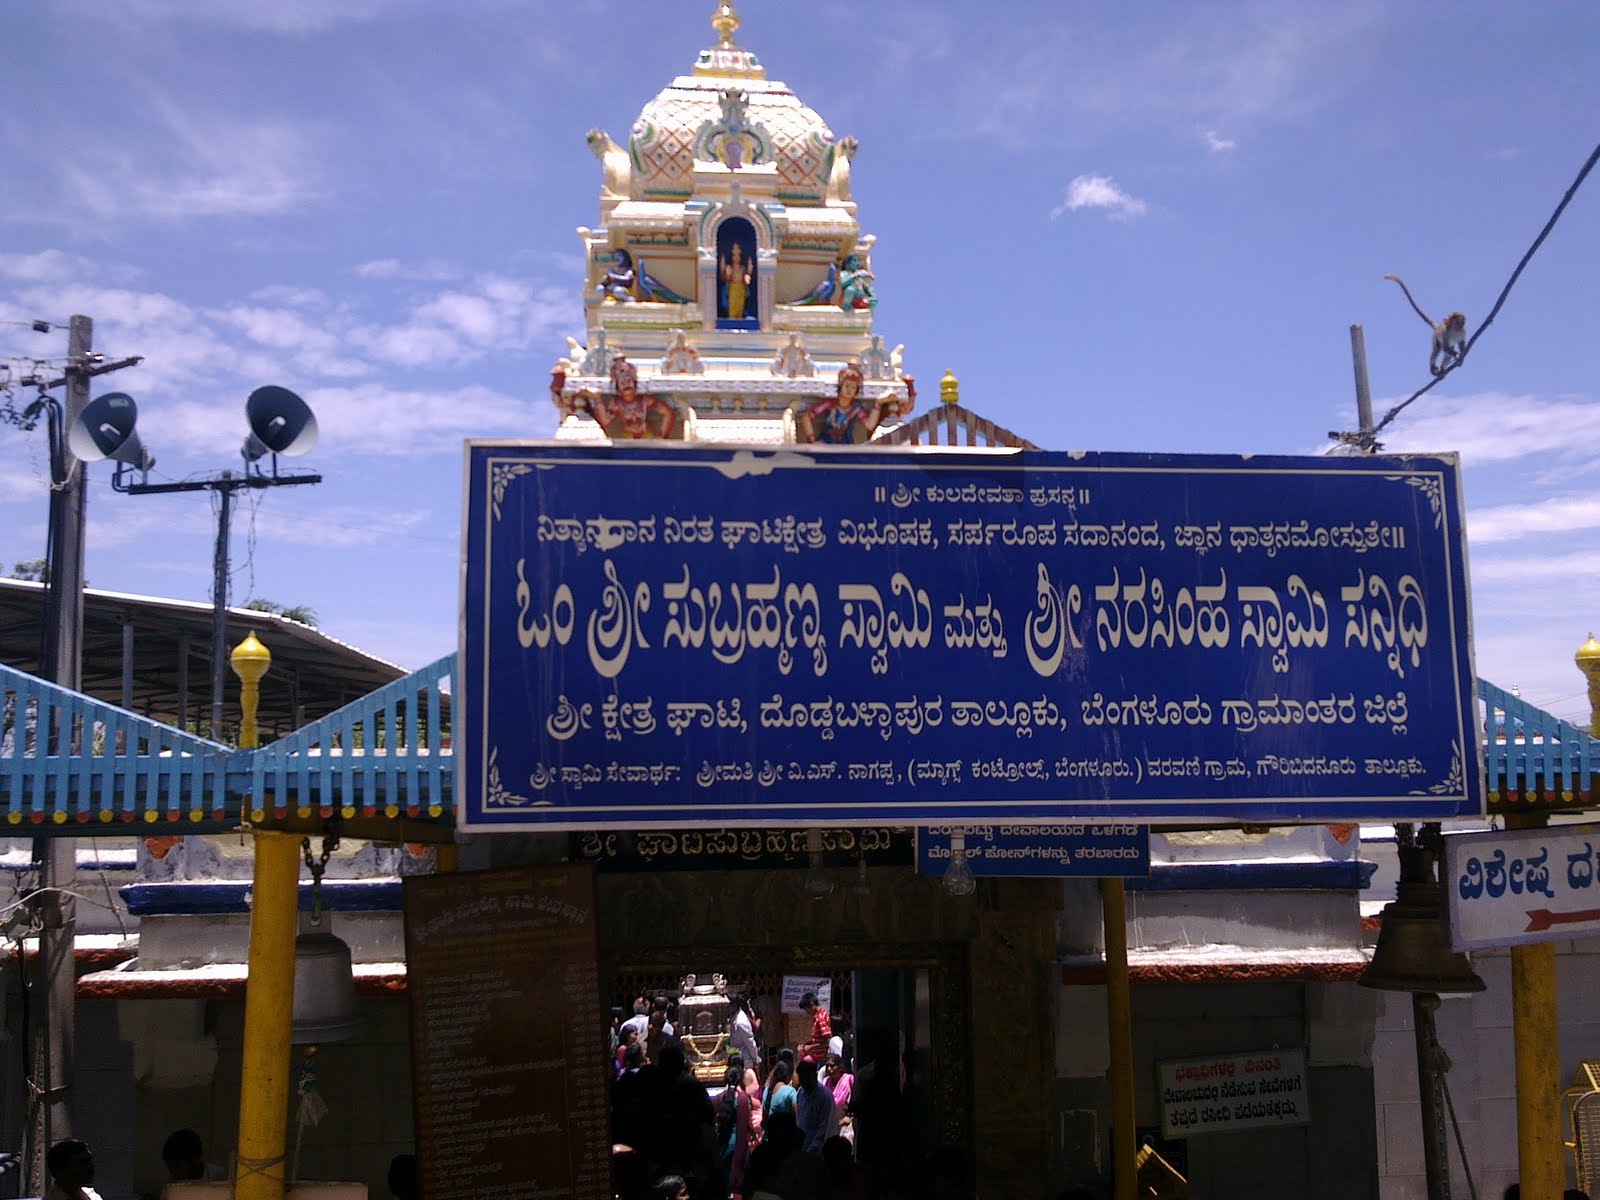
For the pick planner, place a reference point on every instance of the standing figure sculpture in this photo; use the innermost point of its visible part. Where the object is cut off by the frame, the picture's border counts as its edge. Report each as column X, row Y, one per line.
column 735, row 283
column 846, row 418
column 626, row 413
column 855, row 285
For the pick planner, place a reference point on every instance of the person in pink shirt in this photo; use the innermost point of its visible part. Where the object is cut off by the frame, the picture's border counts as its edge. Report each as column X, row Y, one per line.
column 838, row 1081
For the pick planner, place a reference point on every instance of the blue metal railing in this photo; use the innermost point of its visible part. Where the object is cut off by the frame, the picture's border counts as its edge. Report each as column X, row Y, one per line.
column 1525, row 747
column 80, row 766
column 386, row 754
column 66, row 758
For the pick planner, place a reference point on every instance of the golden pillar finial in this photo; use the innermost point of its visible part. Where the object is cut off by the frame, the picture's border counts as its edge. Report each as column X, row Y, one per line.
column 250, row 660
column 949, row 389
column 726, row 22
column 1588, row 660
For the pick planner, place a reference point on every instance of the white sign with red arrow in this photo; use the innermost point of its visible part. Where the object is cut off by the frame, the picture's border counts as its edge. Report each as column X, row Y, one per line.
column 1512, row 887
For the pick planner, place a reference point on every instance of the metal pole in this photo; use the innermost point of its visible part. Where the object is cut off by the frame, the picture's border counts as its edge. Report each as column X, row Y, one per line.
column 1430, row 1084
column 54, row 1030
column 1119, row 1025
column 1358, row 353
column 183, row 683
column 219, row 606
column 127, row 665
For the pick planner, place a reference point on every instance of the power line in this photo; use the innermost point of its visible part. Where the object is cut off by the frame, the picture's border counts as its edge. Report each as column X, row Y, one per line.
column 1594, row 156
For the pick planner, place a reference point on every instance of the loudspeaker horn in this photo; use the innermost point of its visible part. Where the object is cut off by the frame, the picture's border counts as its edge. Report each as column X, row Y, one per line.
column 105, row 429
column 280, row 423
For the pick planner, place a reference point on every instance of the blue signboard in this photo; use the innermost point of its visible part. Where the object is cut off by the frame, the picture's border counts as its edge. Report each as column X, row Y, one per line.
column 659, row 636
column 1092, row 851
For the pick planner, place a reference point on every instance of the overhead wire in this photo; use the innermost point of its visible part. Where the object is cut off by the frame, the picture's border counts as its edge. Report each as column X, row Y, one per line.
column 1583, row 173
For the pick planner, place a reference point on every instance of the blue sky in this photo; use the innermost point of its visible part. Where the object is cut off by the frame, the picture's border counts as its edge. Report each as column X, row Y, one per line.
column 1127, row 227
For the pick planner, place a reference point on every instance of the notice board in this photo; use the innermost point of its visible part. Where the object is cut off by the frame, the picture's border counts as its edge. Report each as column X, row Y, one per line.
column 509, row 1063
column 703, row 637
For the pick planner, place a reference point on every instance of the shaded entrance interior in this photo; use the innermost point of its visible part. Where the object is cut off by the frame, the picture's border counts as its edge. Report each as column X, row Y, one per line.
column 888, row 1031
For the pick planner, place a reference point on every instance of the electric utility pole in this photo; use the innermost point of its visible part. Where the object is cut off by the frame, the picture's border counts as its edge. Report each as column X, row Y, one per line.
column 224, row 484
column 53, row 1031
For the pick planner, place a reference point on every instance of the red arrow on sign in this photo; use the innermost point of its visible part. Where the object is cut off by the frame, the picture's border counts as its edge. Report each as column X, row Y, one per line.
column 1540, row 919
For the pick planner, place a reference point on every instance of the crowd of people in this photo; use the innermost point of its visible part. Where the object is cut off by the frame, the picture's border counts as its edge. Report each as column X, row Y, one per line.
column 781, row 1126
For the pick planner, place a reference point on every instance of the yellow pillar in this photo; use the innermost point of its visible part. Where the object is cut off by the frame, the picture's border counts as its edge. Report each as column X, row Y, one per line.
column 1533, row 1020
column 447, row 859
column 1119, row 1024
column 268, row 1011
column 269, row 991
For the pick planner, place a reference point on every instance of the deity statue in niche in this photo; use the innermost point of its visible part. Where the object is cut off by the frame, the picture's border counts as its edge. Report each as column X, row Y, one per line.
column 736, row 251
column 846, row 418
column 855, row 284
column 626, row 413
column 735, row 283
column 616, row 285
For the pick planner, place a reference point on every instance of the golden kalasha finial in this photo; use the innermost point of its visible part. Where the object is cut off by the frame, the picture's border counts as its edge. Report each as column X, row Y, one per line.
column 1588, row 654
column 949, row 389
column 1588, row 660
column 726, row 22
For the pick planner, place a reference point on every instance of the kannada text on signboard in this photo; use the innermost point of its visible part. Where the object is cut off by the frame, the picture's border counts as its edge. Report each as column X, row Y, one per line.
column 736, row 637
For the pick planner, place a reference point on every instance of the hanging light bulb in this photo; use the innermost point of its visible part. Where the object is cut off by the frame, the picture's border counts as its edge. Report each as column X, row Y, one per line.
column 817, row 884
column 958, row 880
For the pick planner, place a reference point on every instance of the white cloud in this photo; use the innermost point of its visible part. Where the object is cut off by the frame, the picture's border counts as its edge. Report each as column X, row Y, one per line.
column 1508, row 522
column 295, row 297
column 47, row 266
column 1099, row 191
column 1493, row 427
column 1576, row 568
column 196, row 163
column 313, row 345
column 495, row 315
column 392, row 268
column 1079, row 79
column 1216, row 143
column 340, row 526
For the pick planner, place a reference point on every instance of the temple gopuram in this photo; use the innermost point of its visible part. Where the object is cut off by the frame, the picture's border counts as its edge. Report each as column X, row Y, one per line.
column 729, row 293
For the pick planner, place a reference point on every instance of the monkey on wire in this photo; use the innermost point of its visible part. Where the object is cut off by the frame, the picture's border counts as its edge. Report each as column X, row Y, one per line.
column 1449, row 335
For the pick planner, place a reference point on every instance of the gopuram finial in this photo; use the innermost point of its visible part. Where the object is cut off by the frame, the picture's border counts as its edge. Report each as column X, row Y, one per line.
column 949, row 389
column 726, row 22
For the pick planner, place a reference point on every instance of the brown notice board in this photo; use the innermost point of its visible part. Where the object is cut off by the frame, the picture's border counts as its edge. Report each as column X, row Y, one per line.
column 507, row 1037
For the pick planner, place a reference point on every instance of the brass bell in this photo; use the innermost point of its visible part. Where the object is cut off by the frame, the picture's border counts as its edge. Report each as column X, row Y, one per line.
column 325, row 1005
column 1413, row 952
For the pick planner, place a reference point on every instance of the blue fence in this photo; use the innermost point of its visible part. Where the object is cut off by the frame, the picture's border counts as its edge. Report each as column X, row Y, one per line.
column 387, row 754
column 98, row 770
column 1532, row 757
column 68, row 761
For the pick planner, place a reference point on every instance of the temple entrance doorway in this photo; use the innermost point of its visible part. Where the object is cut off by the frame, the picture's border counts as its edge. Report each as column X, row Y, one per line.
column 902, row 1023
